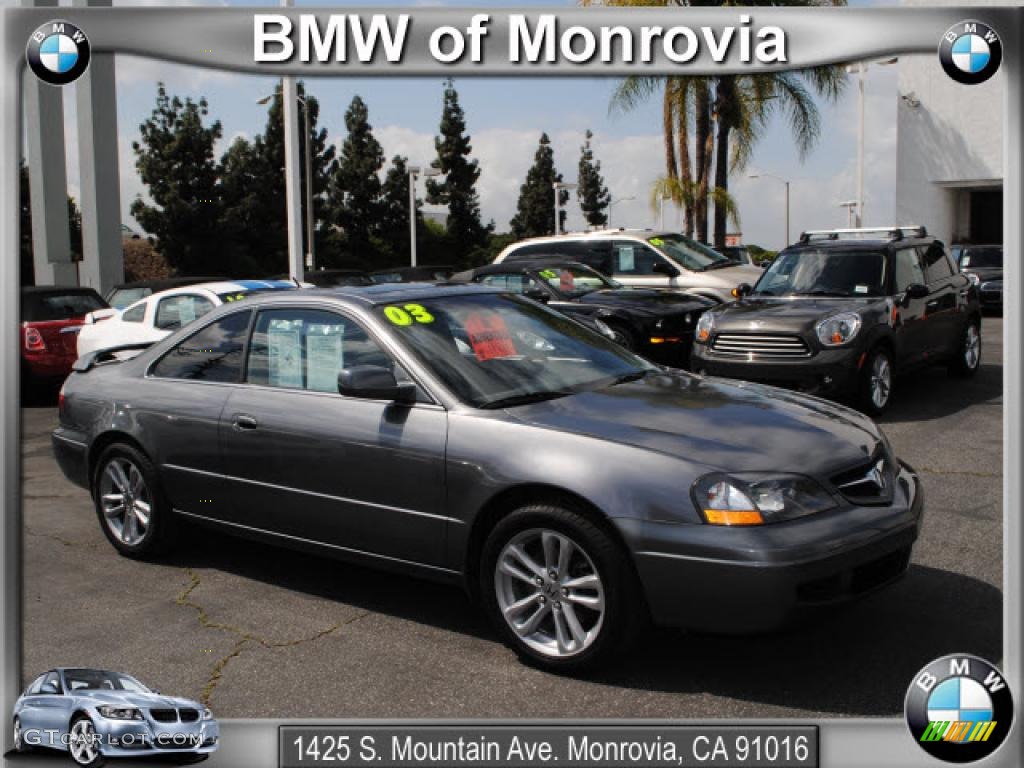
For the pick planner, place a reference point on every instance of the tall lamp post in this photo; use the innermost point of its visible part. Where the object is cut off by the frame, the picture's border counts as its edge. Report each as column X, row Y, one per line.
column 786, row 183
column 850, row 206
column 310, row 247
column 613, row 201
column 558, row 186
column 859, row 69
column 414, row 172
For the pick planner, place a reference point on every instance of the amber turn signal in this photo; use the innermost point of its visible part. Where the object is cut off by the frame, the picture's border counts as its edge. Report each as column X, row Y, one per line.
column 733, row 517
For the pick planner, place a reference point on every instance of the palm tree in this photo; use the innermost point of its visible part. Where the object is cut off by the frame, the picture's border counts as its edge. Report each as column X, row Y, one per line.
column 728, row 114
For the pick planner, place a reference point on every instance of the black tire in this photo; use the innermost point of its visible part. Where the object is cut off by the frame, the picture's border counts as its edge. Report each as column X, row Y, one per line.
column 871, row 403
column 963, row 364
column 161, row 529
column 98, row 760
column 624, row 609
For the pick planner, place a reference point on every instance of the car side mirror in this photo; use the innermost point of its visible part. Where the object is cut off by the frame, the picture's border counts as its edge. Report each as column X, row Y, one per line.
column 664, row 268
column 537, row 294
column 916, row 291
column 374, row 382
column 741, row 290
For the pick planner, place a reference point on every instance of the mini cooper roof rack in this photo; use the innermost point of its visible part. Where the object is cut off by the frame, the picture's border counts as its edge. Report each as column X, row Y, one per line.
column 864, row 233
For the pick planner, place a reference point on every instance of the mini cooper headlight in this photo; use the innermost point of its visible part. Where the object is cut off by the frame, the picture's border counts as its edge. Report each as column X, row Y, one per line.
column 207, row 714
column 119, row 713
column 705, row 326
column 756, row 498
column 838, row 329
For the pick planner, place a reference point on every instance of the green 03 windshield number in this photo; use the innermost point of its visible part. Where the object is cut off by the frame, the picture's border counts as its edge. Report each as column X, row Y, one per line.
column 407, row 314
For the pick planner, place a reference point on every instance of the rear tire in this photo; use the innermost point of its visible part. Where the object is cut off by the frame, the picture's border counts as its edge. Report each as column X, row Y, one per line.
column 558, row 588
column 132, row 509
column 876, row 382
column 968, row 353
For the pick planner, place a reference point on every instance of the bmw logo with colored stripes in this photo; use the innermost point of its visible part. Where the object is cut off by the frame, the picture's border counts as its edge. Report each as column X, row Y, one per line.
column 58, row 52
column 959, row 708
column 970, row 52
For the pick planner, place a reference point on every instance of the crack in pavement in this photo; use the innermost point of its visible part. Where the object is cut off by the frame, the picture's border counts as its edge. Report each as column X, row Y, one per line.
column 244, row 636
column 61, row 539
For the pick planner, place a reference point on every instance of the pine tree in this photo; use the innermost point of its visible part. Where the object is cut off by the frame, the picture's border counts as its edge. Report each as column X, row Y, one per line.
column 175, row 161
column 592, row 193
column 254, row 218
column 535, row 214
column 457, row 189
column 355, row 187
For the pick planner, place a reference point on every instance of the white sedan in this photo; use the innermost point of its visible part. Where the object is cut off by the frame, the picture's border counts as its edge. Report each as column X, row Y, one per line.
column 160, row 314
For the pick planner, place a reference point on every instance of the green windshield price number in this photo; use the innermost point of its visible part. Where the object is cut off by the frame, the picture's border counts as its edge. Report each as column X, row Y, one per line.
column 407, row 314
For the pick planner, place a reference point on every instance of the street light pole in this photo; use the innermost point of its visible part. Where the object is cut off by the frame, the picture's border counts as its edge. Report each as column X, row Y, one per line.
column 414, row 172
column 785, row 183
column 613, row 201
column 860, row 68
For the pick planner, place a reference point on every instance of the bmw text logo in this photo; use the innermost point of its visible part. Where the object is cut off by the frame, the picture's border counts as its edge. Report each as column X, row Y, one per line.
column 58, row 52
column 970, row 52
column 959, row 708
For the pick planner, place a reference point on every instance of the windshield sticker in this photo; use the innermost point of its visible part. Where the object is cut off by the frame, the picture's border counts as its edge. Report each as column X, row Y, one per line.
column 627, row 260
column 489, row 336
column 548, row 274
column 284, row 350
column 407, row 314
column 566, row 282
column 229, row 297
column 324, row 362
column 657, row 241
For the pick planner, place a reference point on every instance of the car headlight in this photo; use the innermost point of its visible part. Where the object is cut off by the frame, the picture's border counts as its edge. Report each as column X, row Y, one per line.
column 705, row 326
column 207, row 714
column 838, row 329
column 973, row 279
column 758, row 498
column 603, row 328
column 119, row 713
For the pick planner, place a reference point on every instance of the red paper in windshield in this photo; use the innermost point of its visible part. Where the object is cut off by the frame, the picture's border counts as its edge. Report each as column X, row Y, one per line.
column 565, row 282
column 489, row 336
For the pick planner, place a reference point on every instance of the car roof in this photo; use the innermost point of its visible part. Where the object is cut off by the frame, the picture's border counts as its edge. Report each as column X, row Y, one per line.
column 374, row 295
column 598, row 234
column 866, row 244
column 166, row 282
column 521, row 265
column 28, row 290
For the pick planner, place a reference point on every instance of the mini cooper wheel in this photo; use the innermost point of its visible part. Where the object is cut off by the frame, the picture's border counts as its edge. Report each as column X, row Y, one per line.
column 83, row 743
column 131, row 509
column 968, row 354
column 558, row 588
column 876, row 382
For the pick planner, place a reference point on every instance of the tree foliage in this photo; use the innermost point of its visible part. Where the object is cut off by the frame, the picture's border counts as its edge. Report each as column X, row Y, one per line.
column 592, row 192
column 355, row 187
column 535, row 212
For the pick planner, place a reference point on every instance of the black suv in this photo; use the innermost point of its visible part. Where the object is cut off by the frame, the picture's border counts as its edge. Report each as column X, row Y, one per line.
column 842, row 311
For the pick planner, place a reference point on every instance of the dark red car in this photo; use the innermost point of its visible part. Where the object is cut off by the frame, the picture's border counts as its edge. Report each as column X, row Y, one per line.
column 50, row 319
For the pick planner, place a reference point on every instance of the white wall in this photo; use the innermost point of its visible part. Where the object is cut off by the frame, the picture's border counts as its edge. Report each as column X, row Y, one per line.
column 952, row 139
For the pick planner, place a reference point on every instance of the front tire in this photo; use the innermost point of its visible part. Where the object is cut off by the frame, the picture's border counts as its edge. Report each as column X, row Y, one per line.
column 83, row 745
column 968, row 354
column 18, row 738
column 876, row 382
column 558, row 588
column 132, row 510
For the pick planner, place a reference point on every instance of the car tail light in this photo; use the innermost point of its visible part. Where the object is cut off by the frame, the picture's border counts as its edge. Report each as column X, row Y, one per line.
column 60, row 402
column 34, row 340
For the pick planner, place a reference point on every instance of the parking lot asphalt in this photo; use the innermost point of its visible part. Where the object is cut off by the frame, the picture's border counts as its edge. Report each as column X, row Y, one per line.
column 257, row 631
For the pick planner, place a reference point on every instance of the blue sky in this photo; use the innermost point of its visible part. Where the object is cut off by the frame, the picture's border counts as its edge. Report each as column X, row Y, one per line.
column 506, row 116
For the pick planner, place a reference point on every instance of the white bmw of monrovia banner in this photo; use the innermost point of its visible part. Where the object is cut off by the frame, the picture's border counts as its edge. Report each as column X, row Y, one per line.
column 161, row 314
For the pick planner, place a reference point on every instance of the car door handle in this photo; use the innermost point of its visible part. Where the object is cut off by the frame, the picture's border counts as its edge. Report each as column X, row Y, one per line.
column 244, row 421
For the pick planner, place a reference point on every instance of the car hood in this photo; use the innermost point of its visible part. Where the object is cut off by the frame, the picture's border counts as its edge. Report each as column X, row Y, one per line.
column 731, row 276
column 986, row 273
column 138, row 700
column 783, row 315
column 649, row 299
column 724, row 425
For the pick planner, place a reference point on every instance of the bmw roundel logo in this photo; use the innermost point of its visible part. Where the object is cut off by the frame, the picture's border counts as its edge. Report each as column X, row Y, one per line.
column 970, row 52
column 959, row 708
column 58, row 52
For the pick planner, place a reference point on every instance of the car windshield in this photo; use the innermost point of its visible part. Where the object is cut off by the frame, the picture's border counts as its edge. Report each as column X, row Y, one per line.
column 125, row 297
column 573, row 282
column 825, row 272
column 982, row 258
column 691, row 254
column 43, row 307
column 499, row 350
column 101, row 680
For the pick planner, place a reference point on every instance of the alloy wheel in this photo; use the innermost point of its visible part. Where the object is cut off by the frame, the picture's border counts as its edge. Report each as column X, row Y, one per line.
column 881, row 381
column 972, row 347
column 83, row 742
column 126, row 501
column 18, row 746
column 549, row 592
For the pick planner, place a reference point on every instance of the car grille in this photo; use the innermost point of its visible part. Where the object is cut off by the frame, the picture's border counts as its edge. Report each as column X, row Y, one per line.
column 869, row 483
column 761, row 345
column 188, row 715
column 164, row 715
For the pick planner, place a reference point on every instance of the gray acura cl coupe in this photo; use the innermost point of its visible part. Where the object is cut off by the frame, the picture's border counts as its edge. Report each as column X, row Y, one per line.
column 469, row 435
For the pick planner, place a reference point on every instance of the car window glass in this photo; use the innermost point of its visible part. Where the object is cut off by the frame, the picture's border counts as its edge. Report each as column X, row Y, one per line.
column 101, row 680
column 573, row 282
column 212, row 354
column 36, row 685
column 177, row 311
column 134, row 314
column 936, row 265
column 511, row 283
column 985, row 257
column 908, row 269
column 307, row 348
column 42, row 307
column 125, row 297
column 532, row 251
column 51, row 683
column 635, row 259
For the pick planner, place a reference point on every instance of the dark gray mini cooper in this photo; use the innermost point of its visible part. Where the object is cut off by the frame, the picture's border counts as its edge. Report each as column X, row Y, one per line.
column 478, row 437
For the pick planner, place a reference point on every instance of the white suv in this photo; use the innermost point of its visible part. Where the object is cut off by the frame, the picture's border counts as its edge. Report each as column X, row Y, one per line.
column 644, row 258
